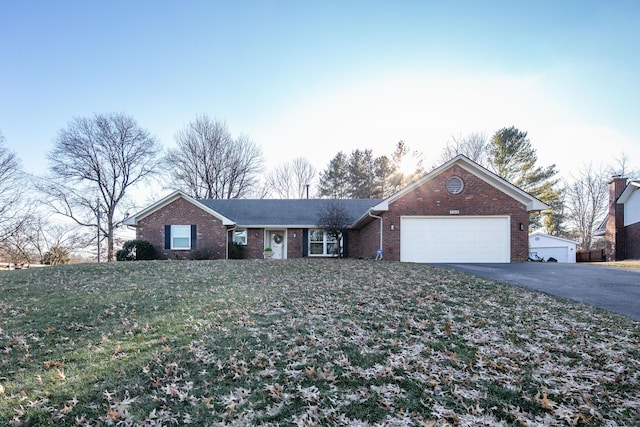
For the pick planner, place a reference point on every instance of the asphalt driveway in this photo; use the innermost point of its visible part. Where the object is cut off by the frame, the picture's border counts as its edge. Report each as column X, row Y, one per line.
column 613, row 289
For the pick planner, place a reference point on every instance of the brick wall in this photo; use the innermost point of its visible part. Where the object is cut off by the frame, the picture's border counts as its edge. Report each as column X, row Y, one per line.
column 294, row 244
column 255, row 243
column 211, row 234
column 431, row 198
column 632, row 237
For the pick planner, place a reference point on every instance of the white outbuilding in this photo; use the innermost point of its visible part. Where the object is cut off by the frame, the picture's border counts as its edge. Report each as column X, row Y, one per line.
column 544, row 246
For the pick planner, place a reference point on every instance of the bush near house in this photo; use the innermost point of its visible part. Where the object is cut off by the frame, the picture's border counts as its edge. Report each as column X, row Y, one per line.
column 136, row 250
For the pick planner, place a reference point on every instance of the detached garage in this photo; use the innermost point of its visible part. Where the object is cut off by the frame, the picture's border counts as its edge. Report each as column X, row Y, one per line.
column 545, row 246
column 455, row 239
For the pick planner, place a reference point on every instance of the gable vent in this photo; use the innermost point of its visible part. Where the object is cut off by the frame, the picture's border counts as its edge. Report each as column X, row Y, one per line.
column 454, row 185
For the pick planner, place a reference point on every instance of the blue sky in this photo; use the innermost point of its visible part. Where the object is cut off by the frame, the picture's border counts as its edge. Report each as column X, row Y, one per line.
column 310, row 79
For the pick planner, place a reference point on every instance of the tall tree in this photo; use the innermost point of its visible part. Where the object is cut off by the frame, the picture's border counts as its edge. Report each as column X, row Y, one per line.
column 334, row 181
column 210, row 164
column 586, row 204
column 623, row 168
column 362, row 175
column 472, row 146
column 408, row 167
column 511, row 156
column 12, row 183
column 94, row 162
column 291, row 179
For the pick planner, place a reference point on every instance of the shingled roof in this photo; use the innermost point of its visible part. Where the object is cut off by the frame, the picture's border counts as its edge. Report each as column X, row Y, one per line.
column 283, row 212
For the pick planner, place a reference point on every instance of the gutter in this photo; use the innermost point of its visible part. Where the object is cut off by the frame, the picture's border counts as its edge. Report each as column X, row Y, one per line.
column 379, row 251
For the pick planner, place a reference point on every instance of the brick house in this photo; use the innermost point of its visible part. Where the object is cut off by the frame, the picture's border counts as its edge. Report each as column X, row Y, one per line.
column 621, row 227
column 458, row 212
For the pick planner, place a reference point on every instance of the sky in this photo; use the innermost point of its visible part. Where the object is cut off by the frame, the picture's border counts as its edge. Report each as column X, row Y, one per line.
column 312, row 78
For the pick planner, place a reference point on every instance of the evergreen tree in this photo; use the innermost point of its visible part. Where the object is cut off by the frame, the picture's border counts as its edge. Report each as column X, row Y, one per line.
column 362, row 175
column 511, row 156
column 334, row 181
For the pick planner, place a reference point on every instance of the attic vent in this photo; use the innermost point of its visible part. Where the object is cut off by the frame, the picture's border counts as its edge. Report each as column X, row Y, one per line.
column 454, row 185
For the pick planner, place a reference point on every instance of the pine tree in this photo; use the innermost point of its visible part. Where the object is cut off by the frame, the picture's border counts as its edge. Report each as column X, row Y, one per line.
column 334, row 181
column 511, row 156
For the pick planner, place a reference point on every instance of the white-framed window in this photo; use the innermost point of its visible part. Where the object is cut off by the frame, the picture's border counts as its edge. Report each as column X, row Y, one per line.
column 322, row 244
column 181, row 237
column 240, row 237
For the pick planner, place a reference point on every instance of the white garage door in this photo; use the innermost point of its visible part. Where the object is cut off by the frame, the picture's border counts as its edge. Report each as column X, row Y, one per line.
column 455, row 239
column 560, row 254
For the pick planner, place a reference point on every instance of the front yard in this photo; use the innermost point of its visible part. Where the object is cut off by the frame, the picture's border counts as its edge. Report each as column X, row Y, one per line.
column 304, row 342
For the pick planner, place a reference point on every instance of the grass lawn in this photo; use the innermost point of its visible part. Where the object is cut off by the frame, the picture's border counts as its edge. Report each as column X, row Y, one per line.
column 630, row 264
column 305, row 342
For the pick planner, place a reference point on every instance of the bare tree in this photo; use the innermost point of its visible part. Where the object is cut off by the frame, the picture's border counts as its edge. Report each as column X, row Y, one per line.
column 623, row 168
column 586, row 203
column 290, row 179
column 210, row 164
column 12, row 182
column 335, row 219
column 473, row 146
column 94, row 162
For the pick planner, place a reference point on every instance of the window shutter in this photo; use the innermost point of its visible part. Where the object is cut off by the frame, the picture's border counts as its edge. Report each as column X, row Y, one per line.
column 345, row 244
column 167, row 237
column 194, row 235
column 305, row 242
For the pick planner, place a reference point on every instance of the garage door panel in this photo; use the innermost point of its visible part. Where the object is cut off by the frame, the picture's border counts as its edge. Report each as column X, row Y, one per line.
column 455, row 239
column 560, row 254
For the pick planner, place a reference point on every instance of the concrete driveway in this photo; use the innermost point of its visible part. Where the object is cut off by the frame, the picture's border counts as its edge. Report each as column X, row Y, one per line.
column 613, row 289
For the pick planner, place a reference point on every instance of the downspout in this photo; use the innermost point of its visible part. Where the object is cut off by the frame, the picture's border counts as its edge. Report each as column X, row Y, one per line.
column 232, row 229
column 379, row 251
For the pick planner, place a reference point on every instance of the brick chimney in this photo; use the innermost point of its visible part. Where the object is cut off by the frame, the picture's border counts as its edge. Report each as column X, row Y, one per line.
column 614, row 237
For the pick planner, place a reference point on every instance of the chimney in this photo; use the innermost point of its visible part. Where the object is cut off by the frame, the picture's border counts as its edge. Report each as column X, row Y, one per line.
column 614, row 236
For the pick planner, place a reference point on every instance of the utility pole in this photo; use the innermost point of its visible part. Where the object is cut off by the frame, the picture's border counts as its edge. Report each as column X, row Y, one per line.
column 98, row 216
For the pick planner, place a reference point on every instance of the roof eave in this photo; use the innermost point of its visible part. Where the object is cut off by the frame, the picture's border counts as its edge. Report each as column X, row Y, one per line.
column 628, row 191
column 134, row 219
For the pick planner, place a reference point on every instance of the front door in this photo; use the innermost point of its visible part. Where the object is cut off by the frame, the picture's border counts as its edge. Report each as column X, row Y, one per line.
column 277, row 242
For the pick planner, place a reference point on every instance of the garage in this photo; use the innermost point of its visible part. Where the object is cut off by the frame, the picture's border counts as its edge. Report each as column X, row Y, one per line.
column 543, row 247
column 438, row 239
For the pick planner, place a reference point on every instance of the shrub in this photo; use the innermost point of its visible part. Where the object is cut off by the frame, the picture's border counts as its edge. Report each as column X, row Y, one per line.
column 57, row 255
column 136, row 250
column 202, row 254
column 236, row 251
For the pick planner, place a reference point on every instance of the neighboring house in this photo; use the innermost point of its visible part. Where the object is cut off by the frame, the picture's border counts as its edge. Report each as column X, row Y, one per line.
column 621, row 227
column 458, row 212
column 545, row 246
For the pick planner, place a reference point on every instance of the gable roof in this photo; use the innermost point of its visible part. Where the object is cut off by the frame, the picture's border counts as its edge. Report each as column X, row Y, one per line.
column 531, row 202
column 133, row 220
column 631, row 188
column 549, row 236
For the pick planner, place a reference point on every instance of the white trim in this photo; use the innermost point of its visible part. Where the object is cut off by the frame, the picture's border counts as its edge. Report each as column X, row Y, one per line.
column 188, row 237
column 134, row 219
column 541, row 234
column 532, row 203
column 628, row 191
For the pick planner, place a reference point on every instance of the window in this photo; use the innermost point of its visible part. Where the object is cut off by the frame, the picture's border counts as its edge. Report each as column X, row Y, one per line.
column 322, row 244
column 240, row 237
column 181, row 237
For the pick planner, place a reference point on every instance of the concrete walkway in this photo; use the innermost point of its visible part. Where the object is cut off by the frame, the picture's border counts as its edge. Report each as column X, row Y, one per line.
column 613, row 289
